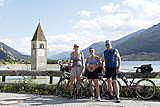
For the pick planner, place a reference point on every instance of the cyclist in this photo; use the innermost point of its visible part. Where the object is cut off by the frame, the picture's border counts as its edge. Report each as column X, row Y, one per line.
column 92, row 64
column 109, row 57
column 76, row 70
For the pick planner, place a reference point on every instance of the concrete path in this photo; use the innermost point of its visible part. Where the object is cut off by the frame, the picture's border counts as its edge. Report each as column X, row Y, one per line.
column 32, row 100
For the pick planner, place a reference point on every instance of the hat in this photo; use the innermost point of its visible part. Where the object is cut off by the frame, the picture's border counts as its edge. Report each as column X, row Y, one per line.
column 108, row 41
column 75, row 45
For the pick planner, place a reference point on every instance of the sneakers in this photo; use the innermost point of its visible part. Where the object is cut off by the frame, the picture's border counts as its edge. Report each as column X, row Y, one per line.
column 70, row 96
column 118, row 100
column 92, row 97
column 110, row 97
column 99, row 98
column 77, row 96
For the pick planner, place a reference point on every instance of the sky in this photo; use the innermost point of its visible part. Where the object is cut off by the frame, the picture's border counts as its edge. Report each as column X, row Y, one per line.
column 66, row 22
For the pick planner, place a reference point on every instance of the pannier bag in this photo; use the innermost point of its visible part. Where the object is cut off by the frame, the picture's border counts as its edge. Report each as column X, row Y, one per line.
column 67, row 69
column 146, row 68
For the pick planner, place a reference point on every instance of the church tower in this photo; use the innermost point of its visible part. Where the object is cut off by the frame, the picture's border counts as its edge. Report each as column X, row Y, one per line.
column 39, row 50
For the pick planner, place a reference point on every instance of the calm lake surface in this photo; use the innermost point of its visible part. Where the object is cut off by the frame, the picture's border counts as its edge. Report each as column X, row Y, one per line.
column 131, row 64
column 126, row 65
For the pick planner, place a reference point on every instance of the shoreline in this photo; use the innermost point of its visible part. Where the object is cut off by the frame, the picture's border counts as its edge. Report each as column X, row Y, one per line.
column 23, row 66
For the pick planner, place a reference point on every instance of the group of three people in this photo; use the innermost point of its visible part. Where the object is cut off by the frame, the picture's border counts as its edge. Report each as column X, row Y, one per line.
column 91, row 66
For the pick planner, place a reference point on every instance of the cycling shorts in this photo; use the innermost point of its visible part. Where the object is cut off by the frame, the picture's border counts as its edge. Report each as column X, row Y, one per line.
column 111, row 73
column 76, row 71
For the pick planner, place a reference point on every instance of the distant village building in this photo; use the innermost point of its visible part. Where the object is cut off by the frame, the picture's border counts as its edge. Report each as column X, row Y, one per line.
column 39, row 50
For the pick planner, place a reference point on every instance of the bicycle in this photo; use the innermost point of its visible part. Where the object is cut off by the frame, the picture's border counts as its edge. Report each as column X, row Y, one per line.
column 86, row 87
column 106, row 92
column 64, row 76
column 63, row 85
column 144, row 88
column 101, row 82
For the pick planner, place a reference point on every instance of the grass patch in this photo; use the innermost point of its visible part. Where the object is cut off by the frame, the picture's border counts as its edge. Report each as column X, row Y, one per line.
column 132, row 94
column 29, row 88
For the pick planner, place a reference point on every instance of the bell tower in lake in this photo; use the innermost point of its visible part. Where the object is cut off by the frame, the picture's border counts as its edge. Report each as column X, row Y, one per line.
column 39, row 50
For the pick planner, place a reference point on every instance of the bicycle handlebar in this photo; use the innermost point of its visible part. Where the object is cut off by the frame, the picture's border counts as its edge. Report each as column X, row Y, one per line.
column 137, row 67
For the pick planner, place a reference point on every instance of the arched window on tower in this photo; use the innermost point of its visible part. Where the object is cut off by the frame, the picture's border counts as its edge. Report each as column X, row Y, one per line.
column 41, row 46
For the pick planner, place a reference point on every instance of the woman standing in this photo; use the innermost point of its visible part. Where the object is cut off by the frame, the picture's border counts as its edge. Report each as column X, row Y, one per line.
column 92, row 64
column 76, row 70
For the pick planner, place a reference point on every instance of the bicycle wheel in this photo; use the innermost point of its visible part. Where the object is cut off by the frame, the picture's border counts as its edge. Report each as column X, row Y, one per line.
column 102, row 87
column 145, row 89
column 114, row 93
column 84, row 87
column 63, row 87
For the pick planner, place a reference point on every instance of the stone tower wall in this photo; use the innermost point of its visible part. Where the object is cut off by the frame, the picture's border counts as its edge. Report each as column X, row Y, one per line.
column 39, row 55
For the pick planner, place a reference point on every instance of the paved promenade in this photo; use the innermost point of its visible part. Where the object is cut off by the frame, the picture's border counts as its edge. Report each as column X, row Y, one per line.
column 32, row 100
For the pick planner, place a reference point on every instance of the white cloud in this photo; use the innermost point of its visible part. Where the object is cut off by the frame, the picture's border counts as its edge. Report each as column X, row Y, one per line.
column 61, row 43
column 156, row 1
column 110, row 8
column 84, row 13
column 25, row 45
column 132, row 15
column 58, row 43
column 120, row 20
column 1, row 2
column 86, row 33
column 22, row 45
column 7, row 41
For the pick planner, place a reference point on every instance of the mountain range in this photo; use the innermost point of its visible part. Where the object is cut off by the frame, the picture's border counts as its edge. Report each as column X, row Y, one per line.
column 8, row 53
column 144, row 40
column 147, row 41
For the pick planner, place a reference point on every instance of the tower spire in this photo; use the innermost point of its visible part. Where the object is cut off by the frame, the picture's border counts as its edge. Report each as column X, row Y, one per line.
column 39, row 35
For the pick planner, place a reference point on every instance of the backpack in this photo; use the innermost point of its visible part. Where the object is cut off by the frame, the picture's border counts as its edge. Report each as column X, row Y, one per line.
column 146, row 68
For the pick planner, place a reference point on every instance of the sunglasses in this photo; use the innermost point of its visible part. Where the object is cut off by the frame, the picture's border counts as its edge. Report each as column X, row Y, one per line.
column 91, row 51
column 107, row 44
column 76, row 46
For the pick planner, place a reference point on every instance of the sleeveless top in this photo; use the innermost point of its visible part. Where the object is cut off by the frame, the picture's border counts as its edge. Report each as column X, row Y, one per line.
column 110, row 58
column 76, row 60
column 93, row 61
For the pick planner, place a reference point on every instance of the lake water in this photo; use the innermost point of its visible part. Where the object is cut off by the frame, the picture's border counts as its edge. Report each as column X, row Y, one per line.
column 131, row 64
column 126, row 65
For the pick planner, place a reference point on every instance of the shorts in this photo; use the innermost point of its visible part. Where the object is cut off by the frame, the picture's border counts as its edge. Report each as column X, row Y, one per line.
column 76, row 71
column 111, row 73
column 91, row 75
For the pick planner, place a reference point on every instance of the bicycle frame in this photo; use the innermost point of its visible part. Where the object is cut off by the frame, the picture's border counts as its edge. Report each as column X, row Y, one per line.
column 132, row 83
column 65, row 74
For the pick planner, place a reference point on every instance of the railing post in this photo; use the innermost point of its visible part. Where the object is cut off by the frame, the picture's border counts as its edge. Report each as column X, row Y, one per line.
column 3, row 78
column 51, row 79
